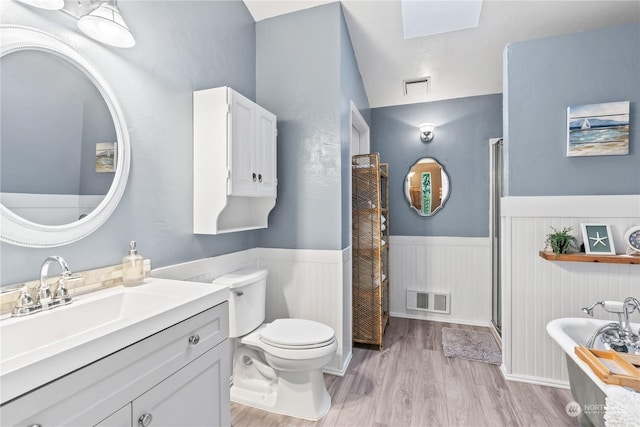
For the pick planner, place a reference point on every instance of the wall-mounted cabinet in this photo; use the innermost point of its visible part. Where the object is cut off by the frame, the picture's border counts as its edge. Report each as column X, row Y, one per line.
column 234, row 162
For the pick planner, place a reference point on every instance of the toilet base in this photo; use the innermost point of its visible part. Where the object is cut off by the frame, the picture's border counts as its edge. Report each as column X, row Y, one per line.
column 297, row 394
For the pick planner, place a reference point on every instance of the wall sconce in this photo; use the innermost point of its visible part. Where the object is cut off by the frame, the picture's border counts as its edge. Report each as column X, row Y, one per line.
column 426, row 132
column 99, row 19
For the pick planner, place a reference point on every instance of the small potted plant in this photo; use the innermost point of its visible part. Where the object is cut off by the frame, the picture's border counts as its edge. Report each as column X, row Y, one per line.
column 560, row 241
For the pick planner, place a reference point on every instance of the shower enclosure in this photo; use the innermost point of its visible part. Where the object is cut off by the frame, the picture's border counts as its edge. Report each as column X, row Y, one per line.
column 495, row 193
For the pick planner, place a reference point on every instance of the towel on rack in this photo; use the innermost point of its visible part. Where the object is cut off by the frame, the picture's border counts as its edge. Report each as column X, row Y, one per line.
column 622, row 407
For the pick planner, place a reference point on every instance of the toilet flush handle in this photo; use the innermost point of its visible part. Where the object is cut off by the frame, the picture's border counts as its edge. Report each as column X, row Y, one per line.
column 238, row 293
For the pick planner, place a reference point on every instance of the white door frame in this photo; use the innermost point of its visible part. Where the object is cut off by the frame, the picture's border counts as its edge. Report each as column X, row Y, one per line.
column 357, row 122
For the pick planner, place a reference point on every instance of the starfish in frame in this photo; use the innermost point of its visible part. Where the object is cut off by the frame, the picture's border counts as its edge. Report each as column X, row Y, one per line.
column 599, row 239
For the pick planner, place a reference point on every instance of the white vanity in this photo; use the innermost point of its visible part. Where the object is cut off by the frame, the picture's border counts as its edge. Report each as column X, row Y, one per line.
column 157, row 354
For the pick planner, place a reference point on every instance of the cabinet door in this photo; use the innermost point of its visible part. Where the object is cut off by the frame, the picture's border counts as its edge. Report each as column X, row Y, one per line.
column 197, row 395
column 120, row 418
column 266, row 153
column 241, row 154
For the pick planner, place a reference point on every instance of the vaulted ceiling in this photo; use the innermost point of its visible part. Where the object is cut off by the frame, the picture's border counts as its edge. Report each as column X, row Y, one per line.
column 460, row 63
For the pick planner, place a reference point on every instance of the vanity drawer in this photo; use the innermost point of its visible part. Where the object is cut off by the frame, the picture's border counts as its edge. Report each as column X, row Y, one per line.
column 95, row 391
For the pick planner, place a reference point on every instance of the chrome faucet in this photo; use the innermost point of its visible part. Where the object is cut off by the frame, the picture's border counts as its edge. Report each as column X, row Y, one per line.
column 44, row 300
column 630, row 304
column 617, row 335
column 61, row 296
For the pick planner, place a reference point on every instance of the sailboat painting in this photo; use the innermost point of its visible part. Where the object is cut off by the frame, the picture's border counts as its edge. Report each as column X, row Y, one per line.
column 598, row 129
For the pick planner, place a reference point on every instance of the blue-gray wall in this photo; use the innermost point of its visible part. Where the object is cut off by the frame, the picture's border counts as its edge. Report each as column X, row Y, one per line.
column 544, row 77
column 305, row 70
column 461, row 145
column 351, row 90
column 181, row 47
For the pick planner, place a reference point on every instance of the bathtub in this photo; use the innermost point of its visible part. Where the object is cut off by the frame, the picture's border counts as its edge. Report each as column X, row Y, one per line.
column 586, row 388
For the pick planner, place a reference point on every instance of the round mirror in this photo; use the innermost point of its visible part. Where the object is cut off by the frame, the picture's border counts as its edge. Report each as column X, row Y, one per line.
column 64, row 144
column 426, row 186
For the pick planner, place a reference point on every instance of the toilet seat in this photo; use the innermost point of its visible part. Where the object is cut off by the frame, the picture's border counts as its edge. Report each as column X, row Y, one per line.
column 297, row 334
column 300, row 348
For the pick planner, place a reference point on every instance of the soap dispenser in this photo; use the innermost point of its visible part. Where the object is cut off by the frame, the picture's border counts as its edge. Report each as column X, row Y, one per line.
column 132, row 267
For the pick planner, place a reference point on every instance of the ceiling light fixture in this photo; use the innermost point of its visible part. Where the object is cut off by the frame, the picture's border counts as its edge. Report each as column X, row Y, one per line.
column 426, row 132
column 99, row 19
column 45, row 4
column 105, row 24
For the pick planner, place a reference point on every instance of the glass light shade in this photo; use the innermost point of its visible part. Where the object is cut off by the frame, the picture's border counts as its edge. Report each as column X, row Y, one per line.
column 426, row 132
column 45, row 4
column 105, row 24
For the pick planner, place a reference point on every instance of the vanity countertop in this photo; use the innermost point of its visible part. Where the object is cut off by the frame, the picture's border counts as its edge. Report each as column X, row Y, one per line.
column 42, row 347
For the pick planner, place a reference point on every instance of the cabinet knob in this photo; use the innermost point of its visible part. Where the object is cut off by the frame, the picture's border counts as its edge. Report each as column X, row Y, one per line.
column 259, row 177
column 194, row 339
column 145, row 420
column 254, row 177
column 35, row 425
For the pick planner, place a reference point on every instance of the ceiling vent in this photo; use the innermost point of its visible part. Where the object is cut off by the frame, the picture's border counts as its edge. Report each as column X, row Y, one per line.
column 418, row 86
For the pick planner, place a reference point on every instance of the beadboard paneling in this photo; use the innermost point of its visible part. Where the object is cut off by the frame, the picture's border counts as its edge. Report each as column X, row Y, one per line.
column 536, row 291
column 312, row 284
column 460, row 266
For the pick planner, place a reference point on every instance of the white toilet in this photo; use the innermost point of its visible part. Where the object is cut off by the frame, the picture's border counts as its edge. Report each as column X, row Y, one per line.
column 277, row 366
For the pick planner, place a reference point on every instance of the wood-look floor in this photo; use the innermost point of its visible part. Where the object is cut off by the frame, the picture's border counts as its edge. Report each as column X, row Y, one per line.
column 411, row 383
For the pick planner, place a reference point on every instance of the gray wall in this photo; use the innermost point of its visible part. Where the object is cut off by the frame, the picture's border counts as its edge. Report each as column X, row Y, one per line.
column 181, row 47
column 351, row 89
column 298, row 79
column 461, row 144
column 544, row 77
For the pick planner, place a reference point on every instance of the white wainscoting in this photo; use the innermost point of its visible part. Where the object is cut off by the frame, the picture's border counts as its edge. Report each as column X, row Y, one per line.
column 536, row 291
column 460, row 266
column 314, row 285
column 307, row 284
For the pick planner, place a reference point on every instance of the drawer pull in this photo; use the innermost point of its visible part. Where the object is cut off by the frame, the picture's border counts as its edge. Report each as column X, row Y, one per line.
column 35, row 425
column 145, row 420
column 194, row 339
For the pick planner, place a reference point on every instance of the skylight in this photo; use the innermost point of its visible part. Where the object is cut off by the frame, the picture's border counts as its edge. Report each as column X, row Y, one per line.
column 427, row 17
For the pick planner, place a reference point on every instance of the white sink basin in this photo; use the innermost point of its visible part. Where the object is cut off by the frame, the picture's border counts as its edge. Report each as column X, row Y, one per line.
column 38, row 348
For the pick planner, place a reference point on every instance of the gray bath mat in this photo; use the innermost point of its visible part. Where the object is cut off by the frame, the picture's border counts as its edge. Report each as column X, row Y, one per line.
column 471, row 345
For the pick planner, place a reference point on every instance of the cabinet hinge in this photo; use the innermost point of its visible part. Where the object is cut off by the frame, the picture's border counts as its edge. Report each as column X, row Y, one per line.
column 276, row 131
column 228, row 108
column 228, row 174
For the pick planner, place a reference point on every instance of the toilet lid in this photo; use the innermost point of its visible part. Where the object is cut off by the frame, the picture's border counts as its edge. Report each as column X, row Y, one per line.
column 297, row 333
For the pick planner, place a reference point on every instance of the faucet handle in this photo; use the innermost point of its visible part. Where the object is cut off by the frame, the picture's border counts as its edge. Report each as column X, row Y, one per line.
column 25, row 304
column 61, row 295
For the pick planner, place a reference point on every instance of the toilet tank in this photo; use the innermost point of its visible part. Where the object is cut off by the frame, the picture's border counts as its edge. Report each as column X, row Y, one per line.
column 247, row 302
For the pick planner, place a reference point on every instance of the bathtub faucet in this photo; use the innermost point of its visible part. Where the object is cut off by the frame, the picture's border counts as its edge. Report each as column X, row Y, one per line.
column 589, row 310
column 631, row 304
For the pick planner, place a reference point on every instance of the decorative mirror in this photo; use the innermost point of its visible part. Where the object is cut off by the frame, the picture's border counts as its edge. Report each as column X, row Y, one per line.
column 65, row 148
column 426, row 186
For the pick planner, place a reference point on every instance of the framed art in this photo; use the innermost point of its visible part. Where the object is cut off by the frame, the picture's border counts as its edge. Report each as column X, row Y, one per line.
column 597, row 239
column 598, row 129
column 106, row 156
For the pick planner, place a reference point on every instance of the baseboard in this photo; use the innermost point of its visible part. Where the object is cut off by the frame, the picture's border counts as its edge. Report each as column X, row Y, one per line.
column 534, row 380
column 439, row 319
column 339, row 372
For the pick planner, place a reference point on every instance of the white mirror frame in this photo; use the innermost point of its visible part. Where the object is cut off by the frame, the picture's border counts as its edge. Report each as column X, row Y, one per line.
column 19, row 231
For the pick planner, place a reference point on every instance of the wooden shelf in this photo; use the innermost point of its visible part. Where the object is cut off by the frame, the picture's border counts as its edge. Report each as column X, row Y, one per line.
column 582, row 257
